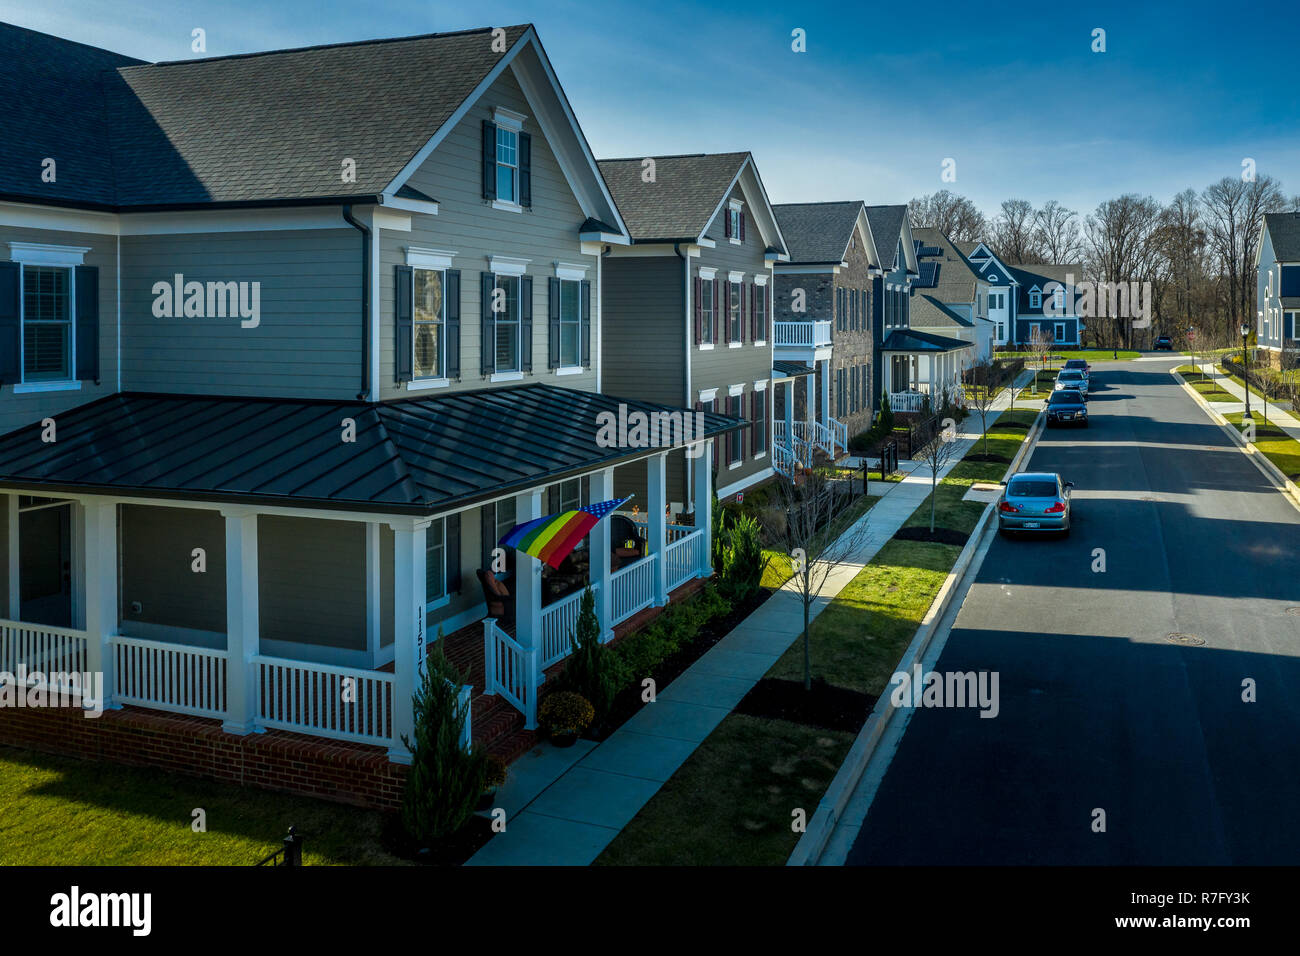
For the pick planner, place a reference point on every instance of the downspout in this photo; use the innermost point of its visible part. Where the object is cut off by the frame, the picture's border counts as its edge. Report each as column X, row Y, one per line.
column 689, row 494
column 364, row 394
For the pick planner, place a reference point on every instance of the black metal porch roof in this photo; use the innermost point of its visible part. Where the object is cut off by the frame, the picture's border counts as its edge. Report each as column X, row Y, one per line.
column 790, row 369
column 914, row 340
column 418, row 456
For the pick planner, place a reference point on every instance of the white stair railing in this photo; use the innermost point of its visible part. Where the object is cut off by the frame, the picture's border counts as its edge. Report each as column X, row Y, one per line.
column 510, row 670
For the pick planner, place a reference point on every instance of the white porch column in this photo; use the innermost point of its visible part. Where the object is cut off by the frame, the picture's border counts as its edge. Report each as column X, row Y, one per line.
column 374, row 604
column 810, row 391
column 242, row 621
column 528, row 579
column 704, row 496
column 826, row 391
column 99, row 541
column 13, row 593
column 409, row 641
column 788, row 389
column 602, row 489
column 657, row 522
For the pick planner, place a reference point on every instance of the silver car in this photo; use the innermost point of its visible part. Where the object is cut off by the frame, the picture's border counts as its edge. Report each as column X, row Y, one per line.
column 1035, row 501
column 1072, row 378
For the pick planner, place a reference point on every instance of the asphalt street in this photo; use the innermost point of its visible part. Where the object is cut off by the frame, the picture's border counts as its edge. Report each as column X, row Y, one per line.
column 1099, row 709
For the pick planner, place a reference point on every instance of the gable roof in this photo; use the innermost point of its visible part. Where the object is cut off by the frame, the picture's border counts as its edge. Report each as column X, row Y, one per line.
column 1284, row 232
column 411, row 456
column 1037, row 277
column 817, row 232
column 887, row 226
column 679, row 204
column 262, row 128
column 927, row 312
column 955, row 280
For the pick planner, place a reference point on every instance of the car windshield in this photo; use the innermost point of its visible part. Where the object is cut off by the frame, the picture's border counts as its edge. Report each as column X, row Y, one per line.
column 1065, row 397
column 1031, row 488
column 1069, row 375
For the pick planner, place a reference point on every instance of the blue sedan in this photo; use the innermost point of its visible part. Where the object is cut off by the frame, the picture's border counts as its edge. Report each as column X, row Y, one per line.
column 1035, row 501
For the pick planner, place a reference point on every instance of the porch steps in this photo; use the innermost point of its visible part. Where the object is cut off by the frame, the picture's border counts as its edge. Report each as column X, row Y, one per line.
column 500, row 728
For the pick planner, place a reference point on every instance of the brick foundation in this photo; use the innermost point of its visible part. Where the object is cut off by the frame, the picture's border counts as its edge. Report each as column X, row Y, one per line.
column 355, row 774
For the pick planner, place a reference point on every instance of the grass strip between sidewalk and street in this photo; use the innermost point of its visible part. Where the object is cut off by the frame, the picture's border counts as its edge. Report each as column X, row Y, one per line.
column 1206, row 386
column 1275, row 445
column 731, row 802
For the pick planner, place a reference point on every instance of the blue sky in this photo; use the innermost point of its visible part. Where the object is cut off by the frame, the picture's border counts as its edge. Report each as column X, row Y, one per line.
column 1011, row 91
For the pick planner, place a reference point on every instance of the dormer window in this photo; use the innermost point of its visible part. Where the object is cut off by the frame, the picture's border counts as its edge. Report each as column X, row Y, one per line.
column 1058, row 299
column 735, row 222
column 1035, row 298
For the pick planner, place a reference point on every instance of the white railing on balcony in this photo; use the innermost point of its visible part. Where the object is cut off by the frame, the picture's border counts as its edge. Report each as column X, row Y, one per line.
column 685, row 558
column 809, row 333
column 674, row 531
column 345, row 703
column 509, row 672
column 175, row 677
column 632, row 589
column 559, row 620
column 38, row 648
column 906, row 401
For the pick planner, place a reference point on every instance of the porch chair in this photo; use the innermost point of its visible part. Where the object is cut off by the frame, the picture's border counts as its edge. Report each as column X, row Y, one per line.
column 500, row 601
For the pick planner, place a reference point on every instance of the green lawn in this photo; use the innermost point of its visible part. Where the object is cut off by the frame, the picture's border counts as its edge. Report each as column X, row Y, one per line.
column 779, row 569
column 1278, row 447
column 1046, row 382
column 1097, row 355
column 60, row 811
column 1208, row 388
column 731, row 802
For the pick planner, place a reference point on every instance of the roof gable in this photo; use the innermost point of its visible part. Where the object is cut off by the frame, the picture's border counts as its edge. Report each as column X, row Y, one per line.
column 1283, row 230
column 819, row 232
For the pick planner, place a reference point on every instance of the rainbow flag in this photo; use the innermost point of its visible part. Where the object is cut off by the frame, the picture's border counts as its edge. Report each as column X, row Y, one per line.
column 550, row 539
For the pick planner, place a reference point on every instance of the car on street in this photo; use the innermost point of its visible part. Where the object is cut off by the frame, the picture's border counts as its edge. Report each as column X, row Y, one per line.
column 1164, row 343
column 1072, row 378
column 1067, row 407
column 1035, row 501
column 1078, row 365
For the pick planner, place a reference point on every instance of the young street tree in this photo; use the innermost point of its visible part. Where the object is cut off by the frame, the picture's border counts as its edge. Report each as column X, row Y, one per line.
column 936, row 453
column 1040, row 345
column 810, row 520
column 981, row 392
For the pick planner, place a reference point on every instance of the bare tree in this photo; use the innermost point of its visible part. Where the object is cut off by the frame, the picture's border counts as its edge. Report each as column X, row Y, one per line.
column 1122, row 248
column 936, row 453
column 809, row 520
column 981, row 393
column 1056, row 233
column 1235, row 215
column 955, row 216
column 1040, row 345
column 1013, row 232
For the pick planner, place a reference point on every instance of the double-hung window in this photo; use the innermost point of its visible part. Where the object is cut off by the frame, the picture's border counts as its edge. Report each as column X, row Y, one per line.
column 735, row 314
column 760, row 422
column 1060, row 331
column 1058, row 299
column 734, row 451
column 706, row 310
column 1035, row 300
column 570, row 323
column 507, row 164
column 429, row 313
column 508, row 322
column 47, row 323
column 760, row 313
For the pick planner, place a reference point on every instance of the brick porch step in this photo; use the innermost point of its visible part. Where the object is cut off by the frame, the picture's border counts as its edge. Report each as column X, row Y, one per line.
column 499, row 727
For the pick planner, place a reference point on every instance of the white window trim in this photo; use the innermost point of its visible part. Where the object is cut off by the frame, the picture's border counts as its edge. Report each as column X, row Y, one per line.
column 735, row 390
column 760, row 385
column 507, row 205
column 736, row 464
column 708, row 394
column 705, row 346
column 735, row 277
column 23, row 388
column 436, row 259
column 57, row 257
column 506, row 377
column 44, row 254
column 708, row 272
column 508, row 119
column 507, row 265
column 1059, row 330
column 570, row 370
column 446, row 597
column 423, row 384
column 760, row 279
column 567, row 270
column 735, row 345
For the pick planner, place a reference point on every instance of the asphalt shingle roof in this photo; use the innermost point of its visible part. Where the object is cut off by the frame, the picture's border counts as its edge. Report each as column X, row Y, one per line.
column 817, row 232
column 412, row 456
column 887, row 227
column 238, row 129
column 1040, row 274
column 955, row 279
column 927, row 312
column 1284, row 230
column 681, row 200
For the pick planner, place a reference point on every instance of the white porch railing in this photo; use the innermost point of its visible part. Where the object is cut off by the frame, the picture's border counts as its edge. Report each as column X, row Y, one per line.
column 632, row 589
column 40, row 648
column 175, row 677
column 685, row 558
column 341, row 702
column 782, row 458
column 839, row 433
column 906, row 401
column 509, row 672
column 796, row 445
column 809, row 333
column 559, row 620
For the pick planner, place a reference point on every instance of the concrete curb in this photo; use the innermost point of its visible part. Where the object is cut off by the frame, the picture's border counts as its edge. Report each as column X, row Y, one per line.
column 1271, row 471
column 808, row 851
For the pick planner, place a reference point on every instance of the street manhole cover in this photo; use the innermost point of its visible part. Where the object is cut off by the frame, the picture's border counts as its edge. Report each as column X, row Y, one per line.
column 1190, row 640
column 1294, row 610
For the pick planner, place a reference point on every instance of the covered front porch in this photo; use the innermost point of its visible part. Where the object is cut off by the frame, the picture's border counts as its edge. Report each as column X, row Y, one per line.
column 796, row 442
column 919, row 365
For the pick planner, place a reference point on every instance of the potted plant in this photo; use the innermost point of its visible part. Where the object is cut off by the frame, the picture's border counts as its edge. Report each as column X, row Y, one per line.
column 565, row 715
column 494, row 777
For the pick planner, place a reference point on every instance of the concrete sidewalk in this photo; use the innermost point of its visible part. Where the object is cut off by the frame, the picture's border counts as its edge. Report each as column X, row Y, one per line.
column 564, row 806
column 1278, row 415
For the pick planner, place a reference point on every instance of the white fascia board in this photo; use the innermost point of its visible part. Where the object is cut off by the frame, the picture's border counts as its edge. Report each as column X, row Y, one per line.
column 613, row 238
column 705, row 241
column 59, row 219
column 424, row 206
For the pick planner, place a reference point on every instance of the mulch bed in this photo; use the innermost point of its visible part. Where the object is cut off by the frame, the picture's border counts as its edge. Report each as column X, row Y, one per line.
column 453, row 851
column 825, row 705
column 628, row 701
column 939, row 535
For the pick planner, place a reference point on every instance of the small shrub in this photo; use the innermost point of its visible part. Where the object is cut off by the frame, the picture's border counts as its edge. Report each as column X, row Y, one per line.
column 743, row 561
column 590, row 670
column 564, row 712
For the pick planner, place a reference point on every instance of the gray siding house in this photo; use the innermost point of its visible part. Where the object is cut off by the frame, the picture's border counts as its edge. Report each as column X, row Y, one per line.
column 292, row 340
column 951, row 296
column 688, row 306
column 1277, row 270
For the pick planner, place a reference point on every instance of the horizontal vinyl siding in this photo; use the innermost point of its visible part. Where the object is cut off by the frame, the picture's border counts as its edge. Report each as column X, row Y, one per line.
column 546, row 233
column 644, row 318
column 19, row 410
column 313, row 581
column 157, row 547
column 308, row 343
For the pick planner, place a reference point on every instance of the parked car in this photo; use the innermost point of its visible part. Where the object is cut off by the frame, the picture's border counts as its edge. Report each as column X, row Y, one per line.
column 1035, row 501
column 1164, row 343
column 1072, row 378
column 1078, row 365
column 1067, row 407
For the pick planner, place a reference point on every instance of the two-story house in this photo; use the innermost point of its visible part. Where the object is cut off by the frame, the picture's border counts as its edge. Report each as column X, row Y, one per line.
column 688, row 306
column 1277, row 290
column 823, row 318
column 288, row 342
column 951, row 296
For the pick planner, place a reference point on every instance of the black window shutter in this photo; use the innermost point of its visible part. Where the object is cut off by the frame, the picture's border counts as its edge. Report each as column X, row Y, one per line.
column 526, row 323
column 754, row 334
column 584, row 328
column 489, row 160
column 87, row 285
column 717, row 319
column 11, row 333
column 453, row 553
column 742, row 226
column 744, row 313
column 488, row 339
column 753, row 417
column 452, row 339
column 525, row 169
column 403, row 323
column 726, row 222
column 553, row 323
